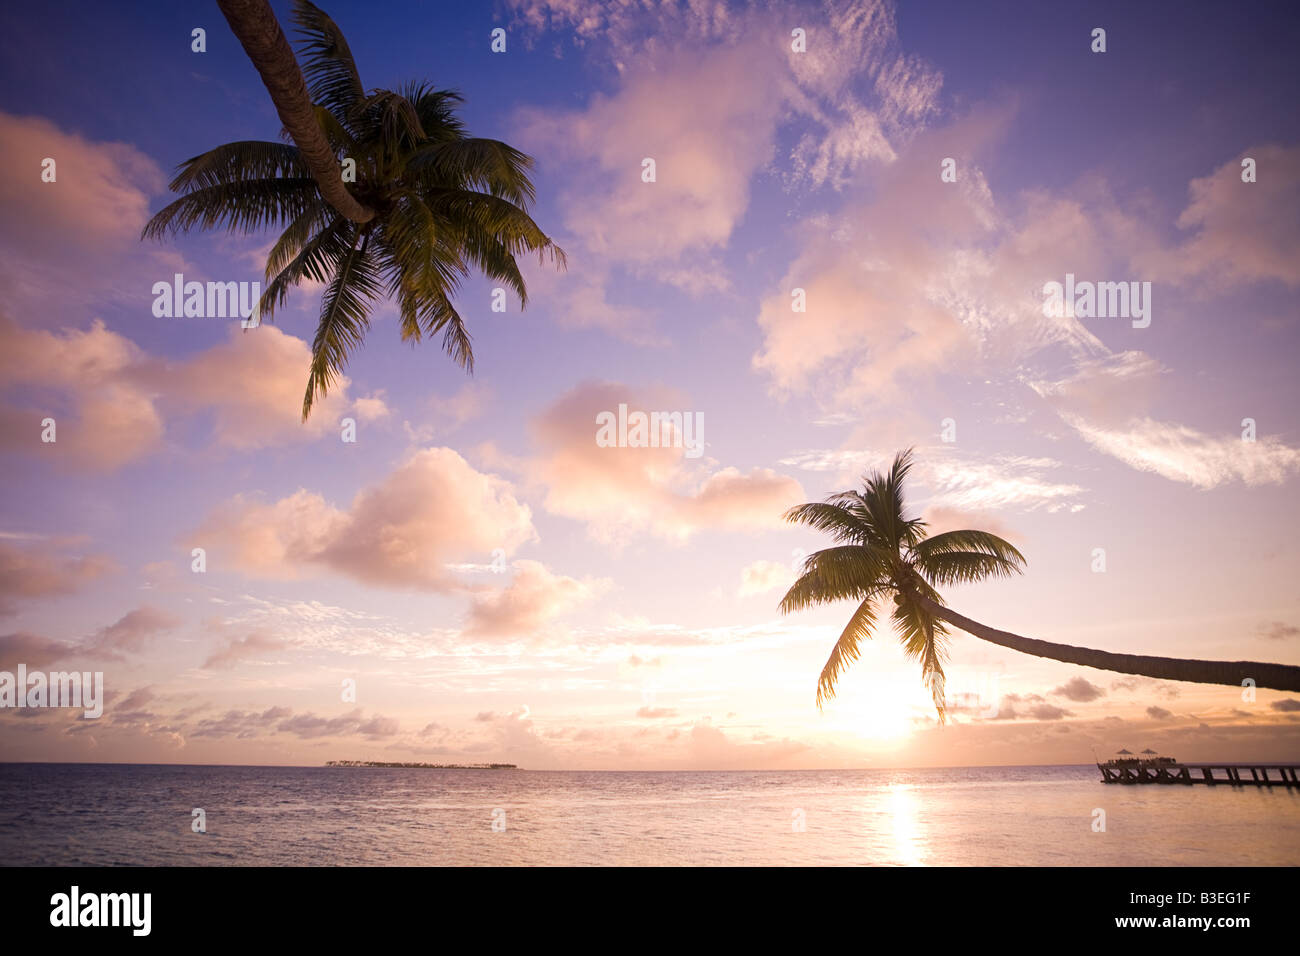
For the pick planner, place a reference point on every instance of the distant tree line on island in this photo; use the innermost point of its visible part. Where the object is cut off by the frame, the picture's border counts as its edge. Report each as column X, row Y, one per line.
column 421, row 766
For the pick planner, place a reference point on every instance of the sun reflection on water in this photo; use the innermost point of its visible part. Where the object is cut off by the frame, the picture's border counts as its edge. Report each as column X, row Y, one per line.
column 907, row 832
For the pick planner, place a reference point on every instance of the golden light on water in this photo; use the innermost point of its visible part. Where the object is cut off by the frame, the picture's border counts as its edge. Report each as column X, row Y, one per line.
column 902, row 807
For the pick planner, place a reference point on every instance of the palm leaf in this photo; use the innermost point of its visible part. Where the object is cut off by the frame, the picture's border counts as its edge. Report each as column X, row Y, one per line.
column 963, row 567
column 343, row 322
column 846, row 648
column 327, row 63
column 835, row 574
column 239, row 162
column 246, row 206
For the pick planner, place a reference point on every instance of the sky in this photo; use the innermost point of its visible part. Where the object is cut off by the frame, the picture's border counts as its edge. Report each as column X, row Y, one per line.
column 491, row 582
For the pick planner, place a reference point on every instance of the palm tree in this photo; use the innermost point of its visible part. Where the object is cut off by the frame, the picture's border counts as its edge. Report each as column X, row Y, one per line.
column 883, row 553
column 429, row 204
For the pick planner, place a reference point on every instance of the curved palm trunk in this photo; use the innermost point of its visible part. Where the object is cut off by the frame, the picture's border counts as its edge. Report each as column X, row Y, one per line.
column 1275, row 676
column 254, row 23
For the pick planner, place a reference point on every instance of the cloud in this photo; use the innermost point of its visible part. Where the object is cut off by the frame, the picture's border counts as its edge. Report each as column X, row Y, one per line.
column 1104, row 399
column 940, row 519
column 881, row 304
column 1079, row 689
column 1039, row 711
column 87, row 222
column 39, row 570
column 1244, row 232
column 533, row 598
column 1185, row 455
column 708, row 149
column 710, row 746
column 253, row 385
column 371, row 408
column 1106, row 389
column 962, row 488
column 1278, row 631
column 1048, row 712
column 29, row 649
column 446, row 413
column 1158, row 713
column 244, row 725
column 136, row 700
column 619, row 492
column 656, row 713
column 763, row 576
column 103, row 418
column 1287, row 705
column 310, row 726
column 705, row 149
column 1006, row 481
column 132, row 632
column 107, row 396
column 398, row 533
column 238, row 649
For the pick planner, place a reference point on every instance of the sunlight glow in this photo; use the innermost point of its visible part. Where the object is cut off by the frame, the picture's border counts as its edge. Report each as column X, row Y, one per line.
column 880, row 711
column 907, row 842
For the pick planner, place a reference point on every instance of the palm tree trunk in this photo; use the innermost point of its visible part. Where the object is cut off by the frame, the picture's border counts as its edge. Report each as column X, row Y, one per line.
column 1235, row 673
column 254, row 23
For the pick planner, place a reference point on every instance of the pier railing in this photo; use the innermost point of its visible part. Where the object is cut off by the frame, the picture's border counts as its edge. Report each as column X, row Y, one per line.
column 1211, row 774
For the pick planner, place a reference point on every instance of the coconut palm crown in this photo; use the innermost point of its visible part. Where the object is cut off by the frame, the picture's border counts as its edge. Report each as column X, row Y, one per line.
column 882, row 555
column 444, row 203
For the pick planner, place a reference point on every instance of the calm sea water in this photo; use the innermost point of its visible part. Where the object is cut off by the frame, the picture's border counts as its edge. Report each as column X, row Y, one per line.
column 133, row 814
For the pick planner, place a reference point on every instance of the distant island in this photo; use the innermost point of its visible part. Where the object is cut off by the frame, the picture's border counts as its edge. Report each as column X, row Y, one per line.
column 421, row 766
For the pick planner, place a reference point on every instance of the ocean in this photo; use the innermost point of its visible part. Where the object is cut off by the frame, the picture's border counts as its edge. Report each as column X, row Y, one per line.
column 126, row 815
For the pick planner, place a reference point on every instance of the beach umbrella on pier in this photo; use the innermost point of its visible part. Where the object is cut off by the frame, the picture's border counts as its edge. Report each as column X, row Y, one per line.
column 1124, row 753
column 1149, row 752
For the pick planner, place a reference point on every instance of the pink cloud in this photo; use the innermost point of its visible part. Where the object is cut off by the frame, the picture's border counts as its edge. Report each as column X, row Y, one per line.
column 87, row 221
column 108, row 397
column 618, row 492
column 44, row 568
column 532, row 599
column 102, row 417
column 253, row 383
column 400, row 532
column 1245, row 231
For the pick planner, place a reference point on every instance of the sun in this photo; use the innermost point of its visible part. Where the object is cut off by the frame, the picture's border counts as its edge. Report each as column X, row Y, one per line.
column 879, row 710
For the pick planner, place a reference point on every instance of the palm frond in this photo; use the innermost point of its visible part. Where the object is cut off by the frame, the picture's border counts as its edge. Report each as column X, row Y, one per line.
column 239, row 162
column 344, row 319
column 478, row 164
column 924, row 639
column 247, row 206
column 845, row 651
column 506, row 223
column 319, row 260
column 296, row 236
column 836, row 520
column 981, row 542
column 388, row 117
column 327, row 63
column 964, row 567
column 836, row 574
column 436, row 110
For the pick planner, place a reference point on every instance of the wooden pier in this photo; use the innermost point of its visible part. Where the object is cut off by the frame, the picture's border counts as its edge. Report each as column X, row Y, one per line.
column 1211, row 774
